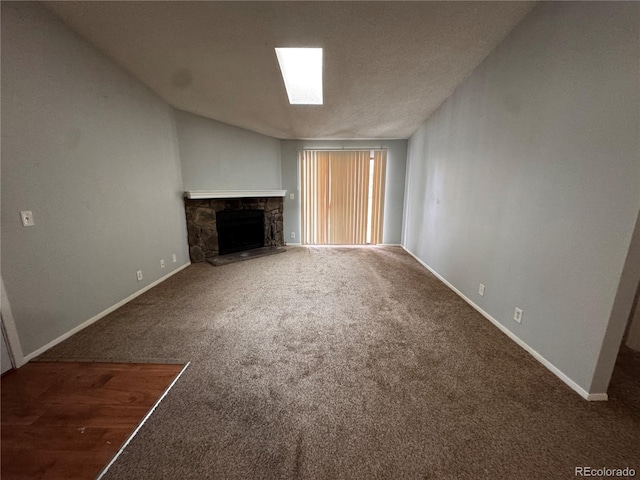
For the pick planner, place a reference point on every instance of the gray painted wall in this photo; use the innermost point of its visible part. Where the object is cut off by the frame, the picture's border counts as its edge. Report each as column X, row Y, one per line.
column 394, row 184
column 93, row 153
column 527, row 180
column 217, row 156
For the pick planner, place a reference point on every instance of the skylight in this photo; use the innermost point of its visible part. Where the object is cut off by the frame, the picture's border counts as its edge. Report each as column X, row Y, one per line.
column 302, row 73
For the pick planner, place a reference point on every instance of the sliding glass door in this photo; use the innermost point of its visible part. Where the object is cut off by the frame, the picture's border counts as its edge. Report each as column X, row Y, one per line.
column 342, row 196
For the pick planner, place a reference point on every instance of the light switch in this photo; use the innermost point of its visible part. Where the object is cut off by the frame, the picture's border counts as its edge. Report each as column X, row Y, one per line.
column 27, row 218
column 292, row 196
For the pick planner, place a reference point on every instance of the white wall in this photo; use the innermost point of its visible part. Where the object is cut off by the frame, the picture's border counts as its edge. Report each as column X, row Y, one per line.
column 394, row 183
column 217, row 156
column 93, row 153
column 633, row 337
column 527, row 180
column 5, row 359
column 633, row 260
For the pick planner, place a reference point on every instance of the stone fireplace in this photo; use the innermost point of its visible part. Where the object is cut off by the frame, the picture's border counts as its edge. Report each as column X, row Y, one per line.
column 217, row 226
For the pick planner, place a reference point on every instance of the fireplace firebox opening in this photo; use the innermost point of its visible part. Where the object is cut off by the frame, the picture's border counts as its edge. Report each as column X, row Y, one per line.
column 240, row 230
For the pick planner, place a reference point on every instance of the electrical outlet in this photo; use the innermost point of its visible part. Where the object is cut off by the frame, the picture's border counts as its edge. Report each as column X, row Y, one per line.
column 27, row 218
column 518, row 315
column 162, row 263
column 174, row 258
column 139, row 275
column 292, row 196
column 293, row 234
column 481, row 290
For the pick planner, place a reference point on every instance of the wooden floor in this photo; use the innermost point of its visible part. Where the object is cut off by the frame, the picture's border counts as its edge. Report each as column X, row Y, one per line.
column 64, row 420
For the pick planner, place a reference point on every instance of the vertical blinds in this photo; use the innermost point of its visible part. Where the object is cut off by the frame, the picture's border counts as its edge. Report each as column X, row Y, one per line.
column 377, row 201
column 335, row 191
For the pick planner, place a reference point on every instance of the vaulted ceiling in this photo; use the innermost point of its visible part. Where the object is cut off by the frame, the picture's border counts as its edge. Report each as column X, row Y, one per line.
column 387, row 65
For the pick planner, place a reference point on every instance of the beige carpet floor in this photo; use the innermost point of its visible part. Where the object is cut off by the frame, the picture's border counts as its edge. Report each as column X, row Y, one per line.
column 330, row 363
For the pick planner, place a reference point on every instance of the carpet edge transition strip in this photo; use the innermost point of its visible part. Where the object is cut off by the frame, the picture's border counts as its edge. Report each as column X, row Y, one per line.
column 142, row 422
column 142, row 361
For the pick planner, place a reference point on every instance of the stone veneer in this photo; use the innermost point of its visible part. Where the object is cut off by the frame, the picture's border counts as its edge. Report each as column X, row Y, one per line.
column 201, row 222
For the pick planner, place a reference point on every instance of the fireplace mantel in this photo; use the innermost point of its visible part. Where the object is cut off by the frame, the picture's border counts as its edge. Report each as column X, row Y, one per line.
column 203, row 194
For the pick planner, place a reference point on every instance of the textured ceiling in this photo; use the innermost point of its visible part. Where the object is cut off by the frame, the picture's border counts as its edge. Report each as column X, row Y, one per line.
column 387, row 65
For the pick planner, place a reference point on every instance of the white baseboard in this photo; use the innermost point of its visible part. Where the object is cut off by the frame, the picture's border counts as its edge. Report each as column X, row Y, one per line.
column 596, row 397
column 102, row 314
column 339, row 245
column 555, row 370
